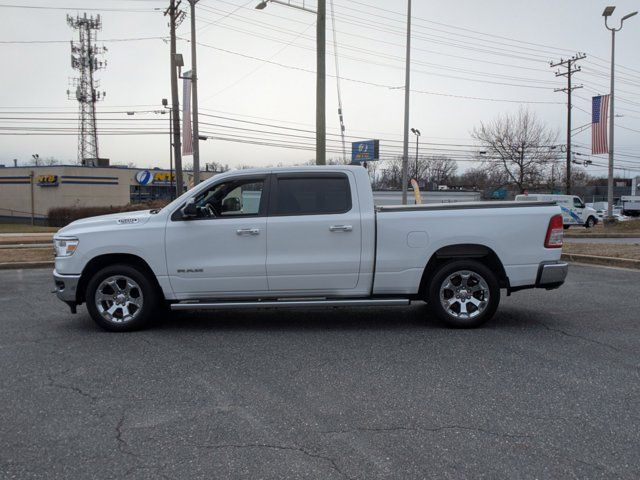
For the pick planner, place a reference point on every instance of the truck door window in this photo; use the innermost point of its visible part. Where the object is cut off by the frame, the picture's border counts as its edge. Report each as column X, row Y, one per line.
column 312, row 195
column 577, row 203
column 240, row 197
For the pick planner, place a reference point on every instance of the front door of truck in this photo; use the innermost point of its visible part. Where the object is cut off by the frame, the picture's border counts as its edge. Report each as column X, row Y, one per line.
column 222, row 250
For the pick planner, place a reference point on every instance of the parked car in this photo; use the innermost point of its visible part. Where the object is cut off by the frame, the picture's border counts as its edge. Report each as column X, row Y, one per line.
column 574, row 211
column 630, row 205
column 305, row 237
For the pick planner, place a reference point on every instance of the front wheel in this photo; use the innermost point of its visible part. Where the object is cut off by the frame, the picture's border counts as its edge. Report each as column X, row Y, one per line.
column 121, row 298
column 590, row 222
column 464, row 294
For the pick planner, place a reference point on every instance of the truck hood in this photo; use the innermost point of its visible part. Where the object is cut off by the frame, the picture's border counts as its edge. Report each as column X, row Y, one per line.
column 114, row 220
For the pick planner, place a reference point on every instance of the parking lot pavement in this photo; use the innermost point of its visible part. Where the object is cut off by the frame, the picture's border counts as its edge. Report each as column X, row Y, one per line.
column 549, row 389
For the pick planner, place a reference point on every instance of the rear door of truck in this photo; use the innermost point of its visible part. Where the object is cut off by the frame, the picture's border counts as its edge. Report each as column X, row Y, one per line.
column 313, row 232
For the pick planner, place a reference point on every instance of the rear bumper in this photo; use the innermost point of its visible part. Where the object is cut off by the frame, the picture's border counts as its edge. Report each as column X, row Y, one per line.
column 551, row 274
column 66, row 286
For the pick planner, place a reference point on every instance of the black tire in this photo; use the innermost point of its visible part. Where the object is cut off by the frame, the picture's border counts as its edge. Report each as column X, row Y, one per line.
column 456, row 319
column 591, row 221
column 145, row 291
column 566, row 227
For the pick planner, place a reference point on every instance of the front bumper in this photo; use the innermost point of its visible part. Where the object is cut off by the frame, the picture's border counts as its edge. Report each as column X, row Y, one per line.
column 66, row 287
column 551, row 274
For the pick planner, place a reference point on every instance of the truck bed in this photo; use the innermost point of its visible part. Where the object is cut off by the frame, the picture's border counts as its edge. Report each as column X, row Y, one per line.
column 462, row 206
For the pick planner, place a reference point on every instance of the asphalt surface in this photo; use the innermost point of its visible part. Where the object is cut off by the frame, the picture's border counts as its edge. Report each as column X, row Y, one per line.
column 549, row 389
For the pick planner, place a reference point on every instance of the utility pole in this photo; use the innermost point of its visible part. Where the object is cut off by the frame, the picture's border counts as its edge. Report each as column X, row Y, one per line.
column 321, row 122
column 194, row 97
column 571, row 69
column 174, row 13
column 407, row 78
column 321, row 18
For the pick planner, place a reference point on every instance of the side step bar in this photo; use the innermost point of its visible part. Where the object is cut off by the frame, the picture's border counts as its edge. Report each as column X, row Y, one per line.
column 377, row 302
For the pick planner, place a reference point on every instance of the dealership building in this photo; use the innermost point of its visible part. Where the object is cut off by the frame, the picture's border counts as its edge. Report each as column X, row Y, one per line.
column 27, row 192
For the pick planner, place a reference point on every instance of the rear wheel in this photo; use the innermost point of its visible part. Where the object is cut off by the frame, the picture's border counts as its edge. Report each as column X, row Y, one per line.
column 121, row 298
column 591, row 221
column 464, row 294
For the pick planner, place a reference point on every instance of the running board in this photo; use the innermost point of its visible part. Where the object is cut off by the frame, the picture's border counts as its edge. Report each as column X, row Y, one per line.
column 377, row 302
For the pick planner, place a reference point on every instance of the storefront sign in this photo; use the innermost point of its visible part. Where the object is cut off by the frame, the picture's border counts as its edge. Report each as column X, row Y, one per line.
column 47, row 180
column 145, row 177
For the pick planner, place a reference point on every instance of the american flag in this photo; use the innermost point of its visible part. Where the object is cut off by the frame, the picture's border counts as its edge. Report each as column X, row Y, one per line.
column 599, row 116
column 187, row 136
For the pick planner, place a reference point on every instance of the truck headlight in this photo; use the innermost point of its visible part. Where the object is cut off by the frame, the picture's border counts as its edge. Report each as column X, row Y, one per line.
column 65, row 247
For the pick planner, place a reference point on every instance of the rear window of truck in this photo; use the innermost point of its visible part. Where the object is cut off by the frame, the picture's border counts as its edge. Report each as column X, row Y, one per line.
column 312, row 195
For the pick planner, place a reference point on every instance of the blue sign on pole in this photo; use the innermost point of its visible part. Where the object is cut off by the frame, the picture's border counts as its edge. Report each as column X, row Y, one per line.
column 365, row 151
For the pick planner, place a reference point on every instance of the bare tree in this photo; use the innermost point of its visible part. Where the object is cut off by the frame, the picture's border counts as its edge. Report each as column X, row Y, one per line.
column 518, row 144
column 441, row 169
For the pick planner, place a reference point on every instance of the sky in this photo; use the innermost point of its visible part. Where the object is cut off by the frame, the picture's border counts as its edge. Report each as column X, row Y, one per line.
column 470, row 62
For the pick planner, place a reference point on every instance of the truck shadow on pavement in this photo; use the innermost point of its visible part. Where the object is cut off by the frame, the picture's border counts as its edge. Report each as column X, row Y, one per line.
column 416, row 317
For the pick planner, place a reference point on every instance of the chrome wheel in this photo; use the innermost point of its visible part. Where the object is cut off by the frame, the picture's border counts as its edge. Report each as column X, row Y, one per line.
column 464, row 294
column 119, row 299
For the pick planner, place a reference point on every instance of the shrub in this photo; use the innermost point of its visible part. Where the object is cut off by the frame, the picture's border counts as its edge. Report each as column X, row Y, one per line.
column 61, row 216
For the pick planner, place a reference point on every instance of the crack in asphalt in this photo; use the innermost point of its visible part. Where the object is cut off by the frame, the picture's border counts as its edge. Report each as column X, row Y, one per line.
column 586, row 339
column 125, row 448
column 52, row 382
column 302, row 450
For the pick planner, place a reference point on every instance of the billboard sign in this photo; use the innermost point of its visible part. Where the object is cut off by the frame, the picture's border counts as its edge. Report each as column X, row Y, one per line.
column 365, row 151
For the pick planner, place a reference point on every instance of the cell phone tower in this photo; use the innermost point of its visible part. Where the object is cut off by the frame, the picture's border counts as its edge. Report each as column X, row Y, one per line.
column 84, row 58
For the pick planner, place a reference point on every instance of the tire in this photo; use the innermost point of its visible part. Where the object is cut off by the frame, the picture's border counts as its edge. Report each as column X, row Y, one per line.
column 566, row 227
column 444, row 289
column 590, row 222
column 121, row 298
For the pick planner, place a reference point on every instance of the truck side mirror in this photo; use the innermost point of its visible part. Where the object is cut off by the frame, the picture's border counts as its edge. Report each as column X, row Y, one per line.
column 190, row 209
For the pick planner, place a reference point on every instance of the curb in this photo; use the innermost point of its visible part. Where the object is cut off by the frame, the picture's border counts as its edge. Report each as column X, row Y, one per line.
column 604, row 261
column 11, row 241
column 21, row 265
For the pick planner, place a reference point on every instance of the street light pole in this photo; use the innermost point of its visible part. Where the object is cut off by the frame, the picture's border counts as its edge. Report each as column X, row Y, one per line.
column 321, row 122
column 194, row 96
column 407, row 78
column 416, row 132
column 606, row 14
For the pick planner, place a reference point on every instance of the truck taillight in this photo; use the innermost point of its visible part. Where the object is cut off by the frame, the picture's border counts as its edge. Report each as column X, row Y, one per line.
column 554, row 232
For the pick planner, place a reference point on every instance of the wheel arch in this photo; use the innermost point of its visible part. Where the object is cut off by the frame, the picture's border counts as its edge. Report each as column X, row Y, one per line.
column 478, row 252
column 102, row 261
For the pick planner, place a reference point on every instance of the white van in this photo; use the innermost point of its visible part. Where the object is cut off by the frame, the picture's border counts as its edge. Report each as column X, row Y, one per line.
column 574, row 211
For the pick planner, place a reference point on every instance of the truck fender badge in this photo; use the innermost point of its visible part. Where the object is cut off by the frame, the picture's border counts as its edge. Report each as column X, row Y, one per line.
column 190, row 270
column 126, row 221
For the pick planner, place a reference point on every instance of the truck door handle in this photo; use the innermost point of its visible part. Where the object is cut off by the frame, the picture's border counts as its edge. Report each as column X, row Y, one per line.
column 248, row 231
column 340, row 228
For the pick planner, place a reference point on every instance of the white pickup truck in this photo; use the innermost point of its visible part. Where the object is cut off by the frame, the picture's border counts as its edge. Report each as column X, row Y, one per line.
column 305, row 237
